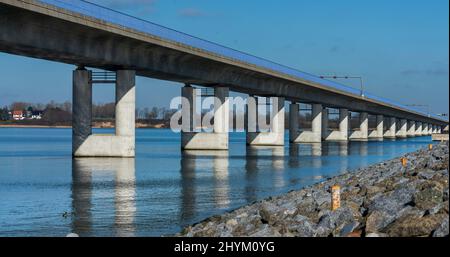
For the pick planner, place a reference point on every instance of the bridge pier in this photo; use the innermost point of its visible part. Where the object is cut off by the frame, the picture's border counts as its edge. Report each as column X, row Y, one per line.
column 305, row 136
column 418, row 128
column 324, row 131
column 275, row 135
column 378, row 132
column 424, row 129
column 391, row 129
column 120, row 144
column 411, row 129
column 363, row 133
column 216, row 140
column 342, row 133
column 402, row 132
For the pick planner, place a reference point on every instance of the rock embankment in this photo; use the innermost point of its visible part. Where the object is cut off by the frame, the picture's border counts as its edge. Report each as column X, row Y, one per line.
column 386, row 199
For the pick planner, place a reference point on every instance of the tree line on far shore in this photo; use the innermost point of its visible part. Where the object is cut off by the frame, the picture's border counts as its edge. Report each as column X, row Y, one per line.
column 61, row 113
column 54, row 113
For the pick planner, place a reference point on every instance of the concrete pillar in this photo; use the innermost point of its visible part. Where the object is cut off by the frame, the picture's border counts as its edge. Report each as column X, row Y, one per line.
column 82, row 108
column 325, row 131
column 342, row 133
column 364, row 124
column 125, row 103
column 402, row 132
column 304, row 136
column 378, row 132
column 120, row 144
column 424, row 129
column 277, row 115
column 274, row 137
column 221, row 110
column 363, row 133
column 380, row 126
column 343, row 124
column 428, row 129
column 391, row 131
column 188, row 107
column 418, row 128
column 293, row 121
column 411, row 129
column 194, row 140
column 316, row 123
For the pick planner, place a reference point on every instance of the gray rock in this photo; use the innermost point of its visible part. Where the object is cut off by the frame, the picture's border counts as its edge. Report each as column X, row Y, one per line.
column 348, row 228
column 429, row 196
column 393, row 202
column 410, row 211
column 437, row 161
column 302, row 227
column 377, row 220
column 334, row 221
column 268, row 212
column 408, row 226
column 266, row 231
column 442, row 230
column 426, row 174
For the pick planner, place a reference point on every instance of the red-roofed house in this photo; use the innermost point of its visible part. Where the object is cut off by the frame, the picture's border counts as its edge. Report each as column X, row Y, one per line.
column 18, row 115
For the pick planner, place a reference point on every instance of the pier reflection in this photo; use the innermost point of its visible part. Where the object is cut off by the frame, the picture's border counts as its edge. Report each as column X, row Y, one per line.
column 305, row 149
column 260, row 158
column 198, row 161
column 84, row 178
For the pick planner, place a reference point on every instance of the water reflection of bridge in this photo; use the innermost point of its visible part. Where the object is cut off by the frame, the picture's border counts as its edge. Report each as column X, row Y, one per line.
column 264, row 167
column 122, row 172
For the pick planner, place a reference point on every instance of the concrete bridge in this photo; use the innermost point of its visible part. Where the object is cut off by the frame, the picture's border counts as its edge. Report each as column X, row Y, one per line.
column 87, row 35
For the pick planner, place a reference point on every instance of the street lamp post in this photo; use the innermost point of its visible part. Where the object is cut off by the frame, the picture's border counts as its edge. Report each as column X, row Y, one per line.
column 348, row 77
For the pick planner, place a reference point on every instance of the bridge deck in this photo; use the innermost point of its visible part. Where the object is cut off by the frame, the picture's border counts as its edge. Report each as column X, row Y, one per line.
column 184, row 42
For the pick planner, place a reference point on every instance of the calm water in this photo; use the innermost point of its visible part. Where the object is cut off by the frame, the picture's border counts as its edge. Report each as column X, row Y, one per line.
column 161, row 190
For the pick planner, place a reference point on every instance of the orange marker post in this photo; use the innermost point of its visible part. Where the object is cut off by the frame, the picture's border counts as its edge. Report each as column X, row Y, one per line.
column 404, row 161
column 335, row 197
column 430, row 147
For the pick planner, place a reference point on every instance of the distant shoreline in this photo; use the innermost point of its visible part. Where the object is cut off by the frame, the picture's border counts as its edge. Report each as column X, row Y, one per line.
column 157, row 126
column 32, row 126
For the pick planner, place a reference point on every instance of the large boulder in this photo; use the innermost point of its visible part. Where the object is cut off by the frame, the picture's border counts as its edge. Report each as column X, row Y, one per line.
column 332, row 222
column 430, row 195
column 442, row 230
column 392, row 202
column 412, row 226
column 377, row 220
column 269, row 212
column 266, row 231
column 301, row 226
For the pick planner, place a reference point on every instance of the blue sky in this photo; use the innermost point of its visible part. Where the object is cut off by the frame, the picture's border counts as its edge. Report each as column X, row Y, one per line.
column 399, row 47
